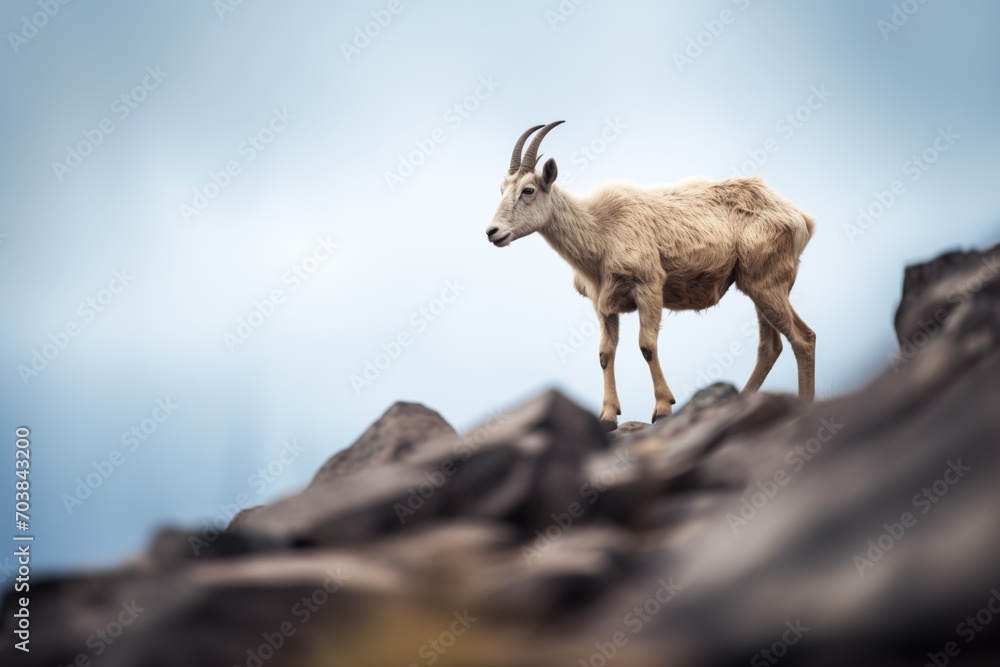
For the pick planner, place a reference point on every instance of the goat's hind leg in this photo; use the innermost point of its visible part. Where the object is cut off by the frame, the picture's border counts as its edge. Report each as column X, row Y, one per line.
column 768, row 350
column 777, row 309
column 610, row 406
column 650, row 304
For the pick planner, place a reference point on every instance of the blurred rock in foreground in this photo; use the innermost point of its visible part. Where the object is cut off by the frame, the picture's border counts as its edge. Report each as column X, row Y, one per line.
column 859, row 531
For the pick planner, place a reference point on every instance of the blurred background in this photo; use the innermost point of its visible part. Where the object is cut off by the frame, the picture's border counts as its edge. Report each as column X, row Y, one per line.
column 234, row 233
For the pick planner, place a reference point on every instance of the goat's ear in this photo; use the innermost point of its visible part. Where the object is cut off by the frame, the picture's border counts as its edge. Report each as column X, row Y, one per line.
column 549, row 173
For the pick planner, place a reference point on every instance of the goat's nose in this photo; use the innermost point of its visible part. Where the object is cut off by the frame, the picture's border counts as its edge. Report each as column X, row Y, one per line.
column 491, row 231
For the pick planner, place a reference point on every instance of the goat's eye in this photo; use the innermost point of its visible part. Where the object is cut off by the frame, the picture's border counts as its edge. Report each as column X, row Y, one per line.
column 528, row 191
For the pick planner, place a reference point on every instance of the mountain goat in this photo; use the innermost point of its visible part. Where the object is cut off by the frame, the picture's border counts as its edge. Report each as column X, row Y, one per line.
column 678, row 247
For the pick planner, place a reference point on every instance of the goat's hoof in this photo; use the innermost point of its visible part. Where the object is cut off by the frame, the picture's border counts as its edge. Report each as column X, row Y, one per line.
column 663, row 416
column 608, row 425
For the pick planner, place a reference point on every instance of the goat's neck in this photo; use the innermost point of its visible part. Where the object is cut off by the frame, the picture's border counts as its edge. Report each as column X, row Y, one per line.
column 573, row 232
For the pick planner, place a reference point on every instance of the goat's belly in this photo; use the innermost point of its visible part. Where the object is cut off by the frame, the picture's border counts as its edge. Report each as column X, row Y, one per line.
column 621, row 297
column 696, row 291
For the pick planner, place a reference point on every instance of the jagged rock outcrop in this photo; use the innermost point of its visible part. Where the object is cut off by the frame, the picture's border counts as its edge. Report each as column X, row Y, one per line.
column 856, row 531
column 394, row 435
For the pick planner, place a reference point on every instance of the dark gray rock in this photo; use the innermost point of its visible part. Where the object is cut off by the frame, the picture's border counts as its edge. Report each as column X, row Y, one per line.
column 935, row 290
column 626, row 428
column 394, row 435
column 172, row 545
column 519, row 468
column 712, row 396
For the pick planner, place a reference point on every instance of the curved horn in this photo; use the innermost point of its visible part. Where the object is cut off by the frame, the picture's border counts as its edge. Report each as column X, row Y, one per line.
column 515, row 158
column 531, row 155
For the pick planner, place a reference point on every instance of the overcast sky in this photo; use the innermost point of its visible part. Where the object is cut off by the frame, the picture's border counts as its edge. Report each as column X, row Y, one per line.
column 216, row 216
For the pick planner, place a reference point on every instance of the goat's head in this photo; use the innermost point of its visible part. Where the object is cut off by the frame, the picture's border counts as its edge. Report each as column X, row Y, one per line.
column 525, row 205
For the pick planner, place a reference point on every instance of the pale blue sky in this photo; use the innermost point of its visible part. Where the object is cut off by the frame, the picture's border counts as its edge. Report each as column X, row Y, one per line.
column 329, row 130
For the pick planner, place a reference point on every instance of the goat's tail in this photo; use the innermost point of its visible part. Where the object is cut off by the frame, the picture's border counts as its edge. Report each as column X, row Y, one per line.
column 805, row 232
column 810, row 223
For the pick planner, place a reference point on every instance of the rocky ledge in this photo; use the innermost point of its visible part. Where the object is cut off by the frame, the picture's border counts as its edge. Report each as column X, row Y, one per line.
column 856, row 531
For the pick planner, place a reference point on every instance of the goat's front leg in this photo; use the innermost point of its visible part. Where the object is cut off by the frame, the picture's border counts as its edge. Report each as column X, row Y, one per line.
column 610, row 407
column 650, row 304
